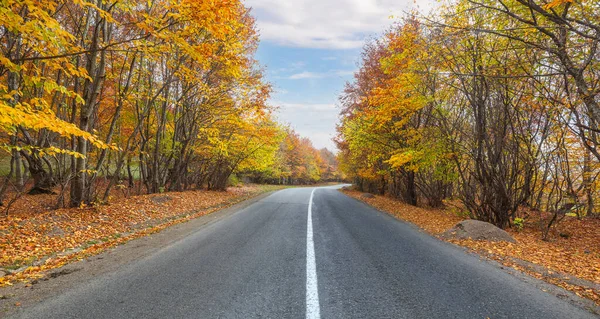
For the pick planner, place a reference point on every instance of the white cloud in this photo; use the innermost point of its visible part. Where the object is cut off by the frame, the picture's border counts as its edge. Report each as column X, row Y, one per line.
column 294, row 66
column 315, row 121
column 317, row 75
column 332, row 24
column 308, row 107
column 304, row 75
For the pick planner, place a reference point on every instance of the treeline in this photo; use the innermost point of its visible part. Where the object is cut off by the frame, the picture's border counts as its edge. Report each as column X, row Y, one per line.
column 153, row 95
column 296, row 161
column 495, row 103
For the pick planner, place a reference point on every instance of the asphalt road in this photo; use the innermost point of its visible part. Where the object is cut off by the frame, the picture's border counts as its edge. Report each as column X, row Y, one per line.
column 273, row 259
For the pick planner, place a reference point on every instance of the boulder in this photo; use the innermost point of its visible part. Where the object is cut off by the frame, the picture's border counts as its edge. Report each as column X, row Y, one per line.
column 367, row 195
column 477, row 230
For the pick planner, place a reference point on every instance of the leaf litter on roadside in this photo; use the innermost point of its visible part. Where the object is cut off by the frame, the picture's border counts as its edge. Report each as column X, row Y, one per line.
column 577, row 255
column 32, row 242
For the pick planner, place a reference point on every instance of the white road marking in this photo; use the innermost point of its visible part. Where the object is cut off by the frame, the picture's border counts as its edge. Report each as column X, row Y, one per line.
column 313, row 310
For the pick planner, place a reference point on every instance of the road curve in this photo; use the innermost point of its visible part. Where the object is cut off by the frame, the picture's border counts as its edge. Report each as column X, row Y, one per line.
column 257, row 263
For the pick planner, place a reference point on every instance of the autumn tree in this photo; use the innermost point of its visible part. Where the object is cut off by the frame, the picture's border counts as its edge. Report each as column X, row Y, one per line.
column 488, row 102
column 153, row 96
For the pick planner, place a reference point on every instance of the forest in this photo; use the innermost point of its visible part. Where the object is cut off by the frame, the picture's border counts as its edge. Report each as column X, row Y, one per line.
column 119, row 119
column 493, row 103
column 149, row 96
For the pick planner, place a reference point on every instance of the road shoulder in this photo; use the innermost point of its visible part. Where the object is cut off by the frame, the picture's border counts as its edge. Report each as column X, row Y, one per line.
column 509, row 267
column 59, row 280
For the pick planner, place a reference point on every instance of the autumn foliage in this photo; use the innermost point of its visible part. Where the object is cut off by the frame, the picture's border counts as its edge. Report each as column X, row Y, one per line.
column 297, row 161
column 151, row 96
column 494, row 103
column 486, row 110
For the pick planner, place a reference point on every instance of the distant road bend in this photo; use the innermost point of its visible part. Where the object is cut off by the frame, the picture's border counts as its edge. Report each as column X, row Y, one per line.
column 307, row 253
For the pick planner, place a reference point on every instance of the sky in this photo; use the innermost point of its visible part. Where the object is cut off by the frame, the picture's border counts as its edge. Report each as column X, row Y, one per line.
column 311, row 48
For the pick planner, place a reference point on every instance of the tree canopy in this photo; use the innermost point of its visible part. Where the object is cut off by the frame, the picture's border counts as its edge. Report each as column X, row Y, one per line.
column 491, row 102
column 154, row 95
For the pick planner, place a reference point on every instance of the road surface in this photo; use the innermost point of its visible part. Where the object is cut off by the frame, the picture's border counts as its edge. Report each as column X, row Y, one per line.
column 282, row 257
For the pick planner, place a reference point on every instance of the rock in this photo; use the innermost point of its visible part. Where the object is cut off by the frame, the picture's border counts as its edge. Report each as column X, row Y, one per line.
column 2, row 273
column 477, row 230
column 367, row 195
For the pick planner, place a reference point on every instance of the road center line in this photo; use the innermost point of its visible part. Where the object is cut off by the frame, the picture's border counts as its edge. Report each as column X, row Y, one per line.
column 313, row 310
